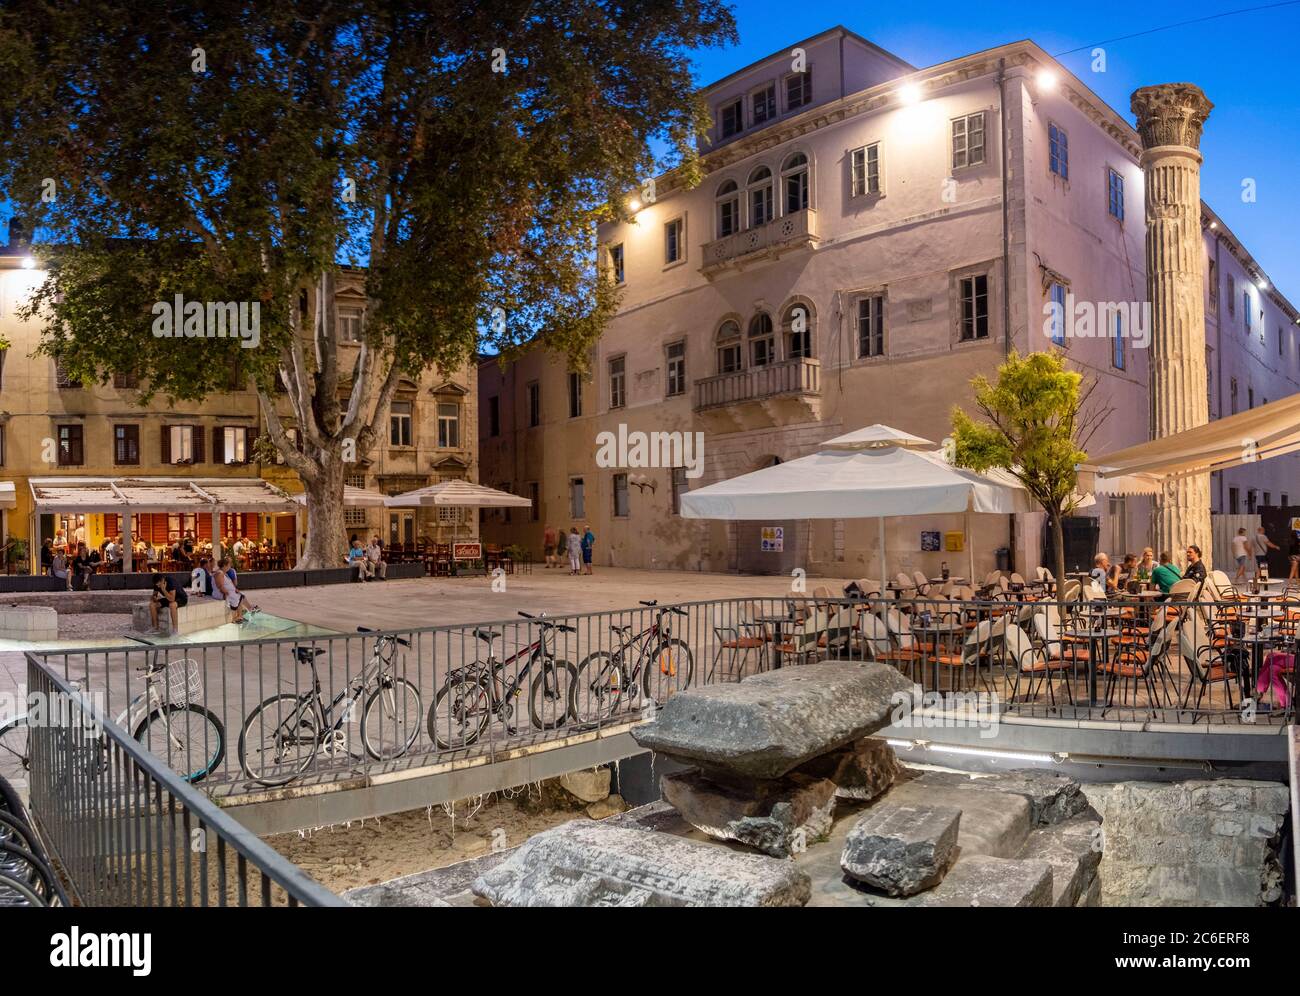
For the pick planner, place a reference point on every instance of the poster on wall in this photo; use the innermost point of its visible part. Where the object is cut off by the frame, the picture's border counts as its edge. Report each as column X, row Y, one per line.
column 929, row 541
column 954, row 542
column 773, row 539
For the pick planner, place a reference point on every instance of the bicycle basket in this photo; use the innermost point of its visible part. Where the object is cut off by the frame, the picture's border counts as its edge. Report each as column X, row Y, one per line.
column 184, row 681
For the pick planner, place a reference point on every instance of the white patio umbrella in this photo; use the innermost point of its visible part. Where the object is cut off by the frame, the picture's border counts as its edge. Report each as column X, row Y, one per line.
column 353, row 498
column 875, row 472
column 458, row 494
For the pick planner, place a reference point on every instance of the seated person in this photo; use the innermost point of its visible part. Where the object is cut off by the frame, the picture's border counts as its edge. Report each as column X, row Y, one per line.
column 356, row 558
column 223, row 581
column 375, row 557
column 166, row 592
column 59, row 565
column 1101, row 575
column 1195, row 565
column 82, row 568
column 1126, row 571
column 1165, row 573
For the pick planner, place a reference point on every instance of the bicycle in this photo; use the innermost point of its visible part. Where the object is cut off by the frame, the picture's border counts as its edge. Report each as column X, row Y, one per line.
column 284, row 734
column 654, row 656
column 165, row 718
column 471, row 695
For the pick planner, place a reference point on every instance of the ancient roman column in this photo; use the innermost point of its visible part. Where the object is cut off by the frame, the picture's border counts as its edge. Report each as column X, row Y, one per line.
column 1169, row 121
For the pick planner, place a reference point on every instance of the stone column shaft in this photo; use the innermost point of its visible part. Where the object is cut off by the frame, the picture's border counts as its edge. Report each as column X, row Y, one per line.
column 1170, row 118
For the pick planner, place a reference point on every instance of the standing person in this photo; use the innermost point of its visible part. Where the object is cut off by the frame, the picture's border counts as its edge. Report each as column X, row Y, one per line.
column 1240, row 553
column 551, row 546
column 574, row 545
column 1195, row 565
column 1262, row 545
column 1294, row 556
column 588, row 541
column 166, row 592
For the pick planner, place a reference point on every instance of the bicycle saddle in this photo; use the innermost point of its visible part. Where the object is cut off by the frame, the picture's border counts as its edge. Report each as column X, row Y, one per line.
column 486, row 635
column 307, row 654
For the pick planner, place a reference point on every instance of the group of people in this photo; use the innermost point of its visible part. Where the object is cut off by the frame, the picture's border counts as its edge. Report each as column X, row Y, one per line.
column 73, row 561
column 220, row 580
column 368, row 561
column 1109, row 578
column 577, row 547
column 1245, row 546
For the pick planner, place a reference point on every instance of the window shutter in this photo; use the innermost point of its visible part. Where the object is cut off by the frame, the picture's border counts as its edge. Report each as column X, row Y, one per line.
column 197, row 431
column 250, row 440
column 218, row 444
column 166, row 444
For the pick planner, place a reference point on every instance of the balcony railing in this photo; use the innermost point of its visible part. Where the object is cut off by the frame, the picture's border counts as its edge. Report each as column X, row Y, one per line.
column 787, row 232
column 789, row 377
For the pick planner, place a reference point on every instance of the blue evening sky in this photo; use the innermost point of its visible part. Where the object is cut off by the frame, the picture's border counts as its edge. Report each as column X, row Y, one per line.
column 1245, row 63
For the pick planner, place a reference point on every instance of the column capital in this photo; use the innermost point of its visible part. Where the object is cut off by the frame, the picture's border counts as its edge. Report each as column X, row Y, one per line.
column 1170, row 114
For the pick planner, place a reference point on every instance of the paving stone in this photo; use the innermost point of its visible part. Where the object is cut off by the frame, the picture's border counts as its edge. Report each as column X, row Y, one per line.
column 1052, row 796
column 901, row 849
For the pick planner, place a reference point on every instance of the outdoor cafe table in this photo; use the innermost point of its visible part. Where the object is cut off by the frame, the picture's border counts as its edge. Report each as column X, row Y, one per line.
column 1098, row 637
column 778, row 624
column 939, row 629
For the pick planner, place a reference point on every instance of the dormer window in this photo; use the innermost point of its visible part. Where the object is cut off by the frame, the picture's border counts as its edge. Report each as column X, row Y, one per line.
column 732, row 118
column 763, row 104
column 798, row 90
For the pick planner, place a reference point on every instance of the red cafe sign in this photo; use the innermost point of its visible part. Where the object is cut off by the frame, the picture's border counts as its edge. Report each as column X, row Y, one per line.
column 467, row 551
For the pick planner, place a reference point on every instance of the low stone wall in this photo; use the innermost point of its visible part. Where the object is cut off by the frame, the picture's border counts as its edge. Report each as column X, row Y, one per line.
column 199, row 613
column 28, row 622
column 1192, row 843
column 118, row 592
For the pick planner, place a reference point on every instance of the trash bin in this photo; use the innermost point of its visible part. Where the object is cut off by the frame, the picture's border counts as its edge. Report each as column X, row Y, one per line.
column 1003, row 555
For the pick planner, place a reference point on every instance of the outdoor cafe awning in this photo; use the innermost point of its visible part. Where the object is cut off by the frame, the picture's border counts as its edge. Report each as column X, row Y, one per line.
column 1259, row 434
column 353, row 497
column 8, row 496
column 157, row 494
column 457, row 494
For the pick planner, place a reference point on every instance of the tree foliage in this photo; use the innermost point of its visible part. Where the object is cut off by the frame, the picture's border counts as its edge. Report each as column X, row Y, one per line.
column 462, row 153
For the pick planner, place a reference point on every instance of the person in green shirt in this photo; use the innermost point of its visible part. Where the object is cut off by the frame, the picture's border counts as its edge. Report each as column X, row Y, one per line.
column 1166, row 573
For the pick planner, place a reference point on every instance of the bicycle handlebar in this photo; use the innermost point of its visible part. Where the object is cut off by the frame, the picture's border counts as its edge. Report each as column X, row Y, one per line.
column 541, row 620
column 384, row 636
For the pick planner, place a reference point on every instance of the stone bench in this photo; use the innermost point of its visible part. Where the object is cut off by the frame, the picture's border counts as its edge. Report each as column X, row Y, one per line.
column 28, row 622
column 201, row 613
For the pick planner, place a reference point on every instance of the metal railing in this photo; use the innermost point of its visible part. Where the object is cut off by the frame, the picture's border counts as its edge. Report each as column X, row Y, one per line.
column 453, row 693
column 127, row 830
column 799, row 376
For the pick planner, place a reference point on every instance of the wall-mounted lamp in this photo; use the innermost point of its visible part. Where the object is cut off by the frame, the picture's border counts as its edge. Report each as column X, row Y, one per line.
column 641, row 482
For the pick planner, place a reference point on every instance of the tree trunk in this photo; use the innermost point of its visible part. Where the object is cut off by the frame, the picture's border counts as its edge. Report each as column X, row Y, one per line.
column 326, row 541
column 1058, row 545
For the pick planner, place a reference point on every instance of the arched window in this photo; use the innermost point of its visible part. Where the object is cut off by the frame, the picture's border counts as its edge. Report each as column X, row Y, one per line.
column 728, row 198
column 730, row 355
column 762, row 340
column 797, row 325
column 794, row 181
column 760, row 197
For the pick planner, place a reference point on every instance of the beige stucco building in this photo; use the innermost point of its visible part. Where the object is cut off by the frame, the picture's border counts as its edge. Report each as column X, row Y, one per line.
column 52, row 428
column 867, row 238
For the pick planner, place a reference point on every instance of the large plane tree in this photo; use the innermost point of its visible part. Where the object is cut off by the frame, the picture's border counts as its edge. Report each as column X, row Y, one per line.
column 460, row 152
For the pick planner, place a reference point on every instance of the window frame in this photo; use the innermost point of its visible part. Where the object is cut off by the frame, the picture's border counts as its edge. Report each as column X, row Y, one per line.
column 806, row 351
column 118, row 442
column 763, row 335
column 877, row 316
column 805, row 89
column 1115, row 194
column 736, row 104
column 618, row 263
column 1058, row 151
column 617, row 381
column 674, row 368
column 965, row 121
column 723, row 199
column 396, row 419
column 771, row 112
column 986, row 274
column 791, row 172
column 533, row 399
column 678, row 222
column 619, row 486
column 76, row 444
column 764, row 188
column 575, row 394
column 866, row 188
column 730, row 342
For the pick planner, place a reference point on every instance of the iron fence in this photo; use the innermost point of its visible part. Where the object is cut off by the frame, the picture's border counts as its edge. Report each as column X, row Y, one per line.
column 244, row 716
column 126, row 830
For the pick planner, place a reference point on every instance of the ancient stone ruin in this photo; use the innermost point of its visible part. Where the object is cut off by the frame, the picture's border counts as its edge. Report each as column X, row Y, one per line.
column 789, row 799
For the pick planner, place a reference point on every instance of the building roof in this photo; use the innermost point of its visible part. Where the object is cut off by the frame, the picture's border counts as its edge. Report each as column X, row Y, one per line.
column 157, row 494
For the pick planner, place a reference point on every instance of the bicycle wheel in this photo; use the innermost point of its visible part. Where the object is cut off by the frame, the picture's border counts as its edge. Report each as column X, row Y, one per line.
column 391, row 719
column 550, row 693
column 189, row 738
column 15, row 753
column 669, row 671
column 460, row 713
column 16, row 893
column 19, row 863
column 598, row 689
column 279, row 739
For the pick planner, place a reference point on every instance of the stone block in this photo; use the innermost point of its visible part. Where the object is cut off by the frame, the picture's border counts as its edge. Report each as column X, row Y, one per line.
column 980, row 880
column 778, row 816
column 1073, row 850
column 596, row 864
column 901, row 849
column 588, row 785
column 1052, row 796
column 861, row 770
column 768, row 724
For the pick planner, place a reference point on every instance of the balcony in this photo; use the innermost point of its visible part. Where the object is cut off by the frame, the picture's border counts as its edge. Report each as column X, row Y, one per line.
column 761, row 397
column 784, row 234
